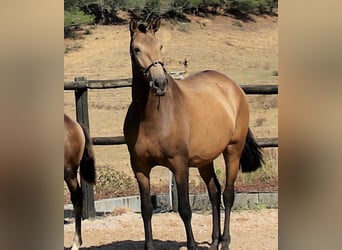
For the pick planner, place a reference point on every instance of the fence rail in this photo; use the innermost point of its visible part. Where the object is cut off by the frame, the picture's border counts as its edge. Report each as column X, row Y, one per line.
column 119, row 140
column 250, row 89
column 80, row 87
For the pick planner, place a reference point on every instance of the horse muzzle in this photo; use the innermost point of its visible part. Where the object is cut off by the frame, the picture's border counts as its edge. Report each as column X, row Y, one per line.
column 158, row 81
column 158, row 86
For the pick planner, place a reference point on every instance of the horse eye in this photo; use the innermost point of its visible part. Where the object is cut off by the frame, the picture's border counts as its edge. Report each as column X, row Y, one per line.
column 136, row 50
column 161, row 47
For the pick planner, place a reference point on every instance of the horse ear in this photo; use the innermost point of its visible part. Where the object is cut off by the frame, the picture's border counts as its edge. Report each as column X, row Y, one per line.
column 155, row 24
column 133, row 25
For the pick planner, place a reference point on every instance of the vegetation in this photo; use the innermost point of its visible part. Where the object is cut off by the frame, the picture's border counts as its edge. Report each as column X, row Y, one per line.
column 116, row 183
column 79, row 12
column 74, row 16
column 113, row 183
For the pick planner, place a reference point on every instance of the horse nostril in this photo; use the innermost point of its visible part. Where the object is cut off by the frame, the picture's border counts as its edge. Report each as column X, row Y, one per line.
column 156, row 84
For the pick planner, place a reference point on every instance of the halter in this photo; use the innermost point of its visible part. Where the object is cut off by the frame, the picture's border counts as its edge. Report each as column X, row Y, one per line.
column 152, row 84
column 154, row 64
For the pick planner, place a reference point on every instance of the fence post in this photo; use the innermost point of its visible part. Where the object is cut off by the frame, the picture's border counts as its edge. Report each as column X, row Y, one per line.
column 174, row 194
column 81, row 99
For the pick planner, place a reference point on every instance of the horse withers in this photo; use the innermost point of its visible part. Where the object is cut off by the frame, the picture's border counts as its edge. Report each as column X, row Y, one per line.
column 183, row 124
column 78, row 153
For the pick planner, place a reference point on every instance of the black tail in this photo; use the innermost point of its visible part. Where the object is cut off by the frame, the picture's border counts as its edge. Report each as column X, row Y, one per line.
column 251, row 158
column 87, row 165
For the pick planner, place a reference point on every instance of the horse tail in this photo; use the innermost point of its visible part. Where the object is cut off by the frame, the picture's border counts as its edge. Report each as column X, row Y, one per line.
column 251, row 158
column 87, row 165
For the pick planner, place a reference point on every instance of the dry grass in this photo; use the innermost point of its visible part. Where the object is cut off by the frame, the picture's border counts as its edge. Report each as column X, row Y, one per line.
column 247, row 52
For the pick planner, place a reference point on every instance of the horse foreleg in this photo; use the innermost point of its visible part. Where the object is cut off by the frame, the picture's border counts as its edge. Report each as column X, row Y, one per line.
column 146, row 207
column 214, row 190
column 182, row 182
column 232, row 161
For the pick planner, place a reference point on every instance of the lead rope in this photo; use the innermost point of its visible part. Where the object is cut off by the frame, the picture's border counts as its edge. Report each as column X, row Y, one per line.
column 158, row 103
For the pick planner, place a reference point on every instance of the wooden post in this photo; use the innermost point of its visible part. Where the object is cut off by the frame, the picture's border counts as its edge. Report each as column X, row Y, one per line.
column 174, row 195
column 81, row 99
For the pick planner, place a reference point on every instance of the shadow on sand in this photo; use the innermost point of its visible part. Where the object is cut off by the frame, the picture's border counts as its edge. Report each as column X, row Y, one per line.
column 129, row 245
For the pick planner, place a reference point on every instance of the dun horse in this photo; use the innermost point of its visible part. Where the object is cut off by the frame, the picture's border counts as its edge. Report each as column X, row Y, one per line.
column 77, row 153
column 182, row 124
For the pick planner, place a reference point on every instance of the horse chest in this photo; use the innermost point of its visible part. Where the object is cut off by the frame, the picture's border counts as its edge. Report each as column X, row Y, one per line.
column 147, row 148
column 152, row 147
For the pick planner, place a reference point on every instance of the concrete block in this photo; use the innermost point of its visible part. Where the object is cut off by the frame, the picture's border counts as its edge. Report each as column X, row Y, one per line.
column 108, row 205
column 246, row 201
column 200, row 202
column 269, row 200
column 161, row 202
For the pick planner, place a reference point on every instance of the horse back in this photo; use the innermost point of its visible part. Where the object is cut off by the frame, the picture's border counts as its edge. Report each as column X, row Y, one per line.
column 211, row 90
column 217, row 113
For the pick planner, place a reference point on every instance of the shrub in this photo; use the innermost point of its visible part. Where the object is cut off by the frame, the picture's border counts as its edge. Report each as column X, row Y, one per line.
column 243, row 6
column 76, row 18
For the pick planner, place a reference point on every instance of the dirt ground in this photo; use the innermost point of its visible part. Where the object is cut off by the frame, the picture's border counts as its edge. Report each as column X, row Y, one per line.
column 247, row 52
column 250, row 230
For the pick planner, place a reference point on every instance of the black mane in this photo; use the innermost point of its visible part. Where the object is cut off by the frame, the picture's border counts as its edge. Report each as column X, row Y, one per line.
column 142, row 27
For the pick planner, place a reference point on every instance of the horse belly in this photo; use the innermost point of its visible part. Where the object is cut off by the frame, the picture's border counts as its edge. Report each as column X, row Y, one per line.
column 211, row 122
column 204, row 155
column 208, row 144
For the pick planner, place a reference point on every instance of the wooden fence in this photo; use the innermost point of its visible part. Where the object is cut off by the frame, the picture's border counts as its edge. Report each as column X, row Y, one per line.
column 80, row 87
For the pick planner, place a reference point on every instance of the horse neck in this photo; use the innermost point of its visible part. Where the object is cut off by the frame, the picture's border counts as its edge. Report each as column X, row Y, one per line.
column 140, row 89
column 149, row 105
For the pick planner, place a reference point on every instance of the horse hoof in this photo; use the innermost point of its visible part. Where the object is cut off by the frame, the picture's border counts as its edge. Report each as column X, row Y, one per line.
column 75, row 247
column 193, row 247
column 224, row 246
column 214, row 247
column 149, row 247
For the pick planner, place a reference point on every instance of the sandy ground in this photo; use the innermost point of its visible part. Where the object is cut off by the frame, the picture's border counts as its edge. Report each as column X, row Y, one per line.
column 250, row 230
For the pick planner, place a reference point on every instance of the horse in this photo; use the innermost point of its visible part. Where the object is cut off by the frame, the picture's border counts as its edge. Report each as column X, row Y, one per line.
column 78, row 153
column 185, row 123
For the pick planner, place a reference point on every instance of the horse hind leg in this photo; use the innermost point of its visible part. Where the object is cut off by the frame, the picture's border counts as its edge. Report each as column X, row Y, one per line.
column 76, row 196
column 214, row 190
column 232, row 161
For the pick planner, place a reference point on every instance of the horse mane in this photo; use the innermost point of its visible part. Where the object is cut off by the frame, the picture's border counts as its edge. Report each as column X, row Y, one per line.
column 144, row 22
column 142, row 27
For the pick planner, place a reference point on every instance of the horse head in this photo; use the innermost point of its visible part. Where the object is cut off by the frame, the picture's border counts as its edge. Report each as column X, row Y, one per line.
column 146, row 56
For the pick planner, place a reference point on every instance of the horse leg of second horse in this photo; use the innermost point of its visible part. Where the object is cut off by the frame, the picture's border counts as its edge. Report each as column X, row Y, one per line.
column 182, row 181
column 76, row 196
column 78, row 205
